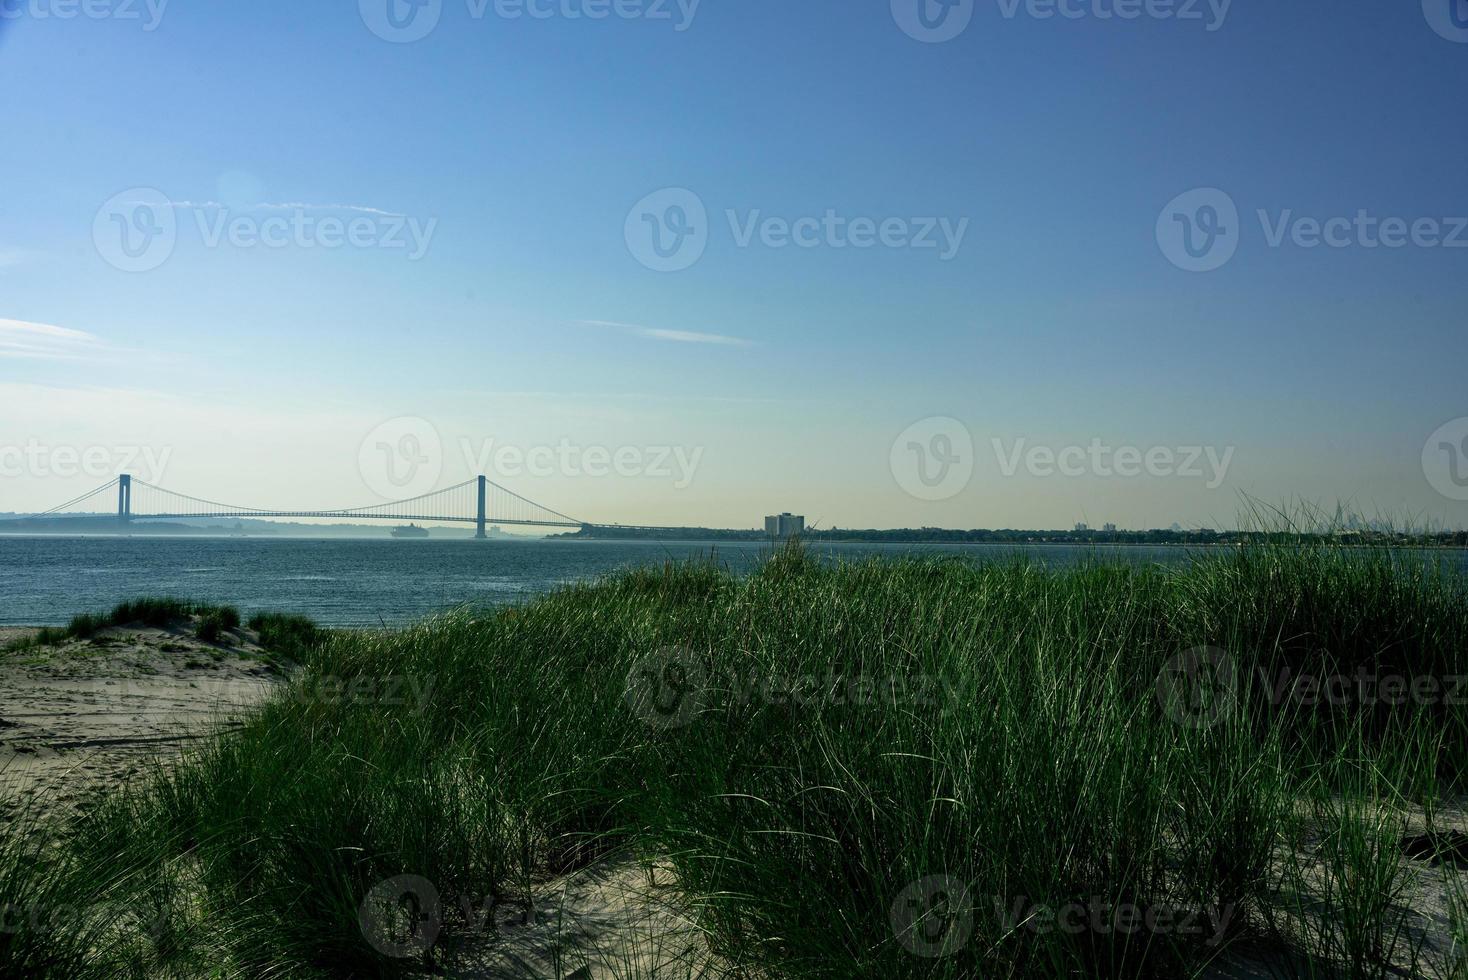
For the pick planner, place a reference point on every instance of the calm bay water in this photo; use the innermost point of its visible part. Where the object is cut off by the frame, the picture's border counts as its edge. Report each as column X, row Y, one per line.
column 351, row 582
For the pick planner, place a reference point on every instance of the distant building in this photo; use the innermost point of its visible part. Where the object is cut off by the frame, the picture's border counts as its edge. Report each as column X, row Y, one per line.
column 1081, row 526
column 784, row 525
column 1109, row 528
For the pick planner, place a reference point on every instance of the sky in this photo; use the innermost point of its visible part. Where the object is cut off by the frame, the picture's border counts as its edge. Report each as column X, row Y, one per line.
column 999, row 263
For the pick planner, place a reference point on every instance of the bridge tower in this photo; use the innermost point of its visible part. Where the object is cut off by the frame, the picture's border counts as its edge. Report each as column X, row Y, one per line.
column 480, row 524
column 125, row 498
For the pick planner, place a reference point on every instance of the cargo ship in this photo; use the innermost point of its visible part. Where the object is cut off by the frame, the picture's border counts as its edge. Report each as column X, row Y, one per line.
column 410, row 531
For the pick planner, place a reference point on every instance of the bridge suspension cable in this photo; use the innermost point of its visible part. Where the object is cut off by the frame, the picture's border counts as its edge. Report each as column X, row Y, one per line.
column 70, row 503
column 153, row 497
column 532, row 504
column 449, row 503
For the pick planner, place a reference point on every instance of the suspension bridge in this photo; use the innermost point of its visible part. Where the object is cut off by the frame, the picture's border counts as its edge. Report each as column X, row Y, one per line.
column 479, row 501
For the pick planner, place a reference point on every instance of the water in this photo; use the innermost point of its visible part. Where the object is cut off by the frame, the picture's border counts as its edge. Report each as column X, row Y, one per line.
column 46, row 579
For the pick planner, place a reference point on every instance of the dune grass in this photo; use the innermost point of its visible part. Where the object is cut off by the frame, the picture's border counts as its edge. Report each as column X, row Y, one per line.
column 154, row 612
column 914, row 768
column 287, row 634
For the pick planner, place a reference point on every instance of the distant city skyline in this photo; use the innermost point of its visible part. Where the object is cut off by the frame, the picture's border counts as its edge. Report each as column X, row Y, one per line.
column 998, row 269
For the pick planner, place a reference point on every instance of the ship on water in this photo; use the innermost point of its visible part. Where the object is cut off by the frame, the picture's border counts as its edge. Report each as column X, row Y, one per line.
column 410, row 531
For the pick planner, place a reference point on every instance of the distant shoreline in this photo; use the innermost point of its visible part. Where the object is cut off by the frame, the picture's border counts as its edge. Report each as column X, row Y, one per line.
column 714, row 536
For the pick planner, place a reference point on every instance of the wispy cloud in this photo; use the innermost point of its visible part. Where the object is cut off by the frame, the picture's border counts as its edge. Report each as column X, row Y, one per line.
column 42, row 341
column 677, row 336
column 691, row 337
column 10, row 257
column 283, row 206
column 362, row 208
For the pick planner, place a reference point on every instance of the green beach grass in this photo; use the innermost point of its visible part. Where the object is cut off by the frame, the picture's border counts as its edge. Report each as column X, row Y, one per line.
column 886, row 769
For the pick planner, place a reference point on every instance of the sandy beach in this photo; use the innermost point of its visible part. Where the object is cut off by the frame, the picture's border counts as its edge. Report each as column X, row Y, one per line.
column 90, row 713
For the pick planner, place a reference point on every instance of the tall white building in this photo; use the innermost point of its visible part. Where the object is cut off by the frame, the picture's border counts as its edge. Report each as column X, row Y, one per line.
column 784, row 525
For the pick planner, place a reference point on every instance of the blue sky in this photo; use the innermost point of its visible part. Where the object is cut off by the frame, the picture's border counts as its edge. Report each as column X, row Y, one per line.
column 523, row 143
